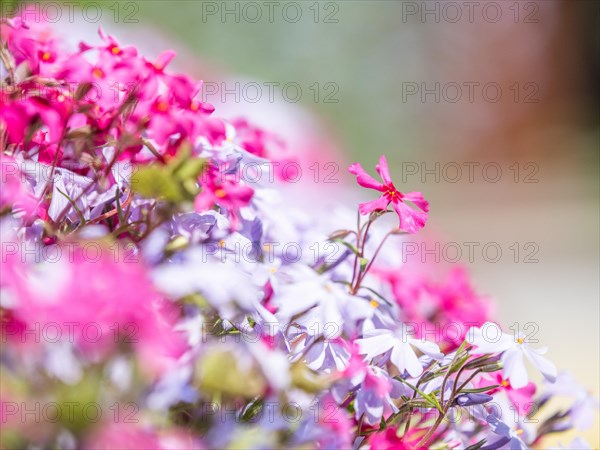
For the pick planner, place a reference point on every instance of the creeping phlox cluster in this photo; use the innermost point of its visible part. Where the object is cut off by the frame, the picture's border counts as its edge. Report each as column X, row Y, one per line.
column 130, row 321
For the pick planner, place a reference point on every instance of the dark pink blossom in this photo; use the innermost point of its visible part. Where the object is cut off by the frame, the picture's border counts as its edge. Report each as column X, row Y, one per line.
column 411, row 219
column 224, row 190
column 521, row 398
column 14, row 191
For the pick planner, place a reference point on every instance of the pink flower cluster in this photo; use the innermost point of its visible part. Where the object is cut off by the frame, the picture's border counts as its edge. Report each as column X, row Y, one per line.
column 94, row 87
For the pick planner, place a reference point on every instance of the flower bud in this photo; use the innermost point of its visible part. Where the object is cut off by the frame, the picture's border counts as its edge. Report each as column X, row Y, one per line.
column 472, row 399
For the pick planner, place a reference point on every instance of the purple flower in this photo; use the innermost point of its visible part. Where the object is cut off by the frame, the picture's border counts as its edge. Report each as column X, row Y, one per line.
column 374, row 397
column 472, row 399
column 507, row 437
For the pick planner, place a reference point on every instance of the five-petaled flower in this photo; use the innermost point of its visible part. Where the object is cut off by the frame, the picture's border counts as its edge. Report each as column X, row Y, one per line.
column 411, row 219
column 490, row 339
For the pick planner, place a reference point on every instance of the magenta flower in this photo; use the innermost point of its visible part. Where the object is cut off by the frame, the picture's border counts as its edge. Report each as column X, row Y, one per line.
column 411, row 219
column 14, row 190
column 117, row 297
column 224, row 190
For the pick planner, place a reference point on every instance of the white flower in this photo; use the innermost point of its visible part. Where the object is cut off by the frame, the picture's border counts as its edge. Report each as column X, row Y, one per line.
column 379, row 341
column 328, row 307
column 222, row 283
column 583, row 410
column 490, row 339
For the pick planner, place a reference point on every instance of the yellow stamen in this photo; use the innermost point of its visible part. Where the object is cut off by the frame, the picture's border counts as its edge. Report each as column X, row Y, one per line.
column 221, row 243
column 504, row 383
column 273, row 269
column 162, row 106
column 220, row 193
column 116, row 50
column 520, row 340
column 374, row 303
column 46, row 56
column 97, row 72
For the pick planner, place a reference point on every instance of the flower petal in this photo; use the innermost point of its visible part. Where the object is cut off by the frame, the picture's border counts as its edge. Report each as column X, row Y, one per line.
column 418, row 200
column 363, row 178
column 411, row 220
column 375, row 205
column 428, row 348
column 374, row 345
column 514, row 368
column 404, row 358
column 542, row 364
column 383, row 170
column 489, row 338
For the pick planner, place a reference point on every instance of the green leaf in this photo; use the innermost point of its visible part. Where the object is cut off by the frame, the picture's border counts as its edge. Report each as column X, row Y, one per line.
column 177, row 161
column 339, row 234
column 154, row 182
column 220, row 373
column 378, row 295
column 480, row 362
column 479, row 390
column 252, row 410
column 196, row 299
column 429, row 398
column 492, row 367
column 74, row 205
column 175, row 181
column 176, row 244
column 363, row 263
column 306, row 379
column 119, row 207
column 190, row 169
column 348, row 245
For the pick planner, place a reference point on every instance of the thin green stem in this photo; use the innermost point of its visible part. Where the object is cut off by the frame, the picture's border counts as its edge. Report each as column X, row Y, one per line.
column 425, row 439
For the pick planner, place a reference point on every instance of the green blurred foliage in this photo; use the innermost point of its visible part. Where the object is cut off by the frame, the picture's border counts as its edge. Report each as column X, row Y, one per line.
column 363, row 53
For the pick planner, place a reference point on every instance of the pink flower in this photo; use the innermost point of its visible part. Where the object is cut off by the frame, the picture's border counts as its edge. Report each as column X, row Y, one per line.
column 522, row 398
column 131, row 435
column 458, row 307
column 31, row 42
column 100, row 289
column 256, row 140
column 335, row 425
column 411, row 219
column 18, row 116
column 450, row 307
column 114, row 436
column 224, row 190
column 388, row 440
column 14, row 192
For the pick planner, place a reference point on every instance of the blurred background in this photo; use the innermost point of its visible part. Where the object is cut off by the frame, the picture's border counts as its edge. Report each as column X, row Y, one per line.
column 489, row 108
